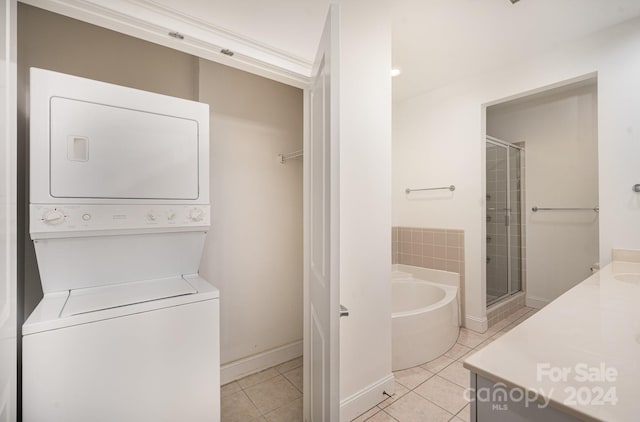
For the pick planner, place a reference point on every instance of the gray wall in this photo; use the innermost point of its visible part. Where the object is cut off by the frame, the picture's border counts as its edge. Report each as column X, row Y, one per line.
column 58, row 43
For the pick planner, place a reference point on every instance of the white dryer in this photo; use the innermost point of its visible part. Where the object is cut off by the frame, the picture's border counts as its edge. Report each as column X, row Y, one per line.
column 127, row 329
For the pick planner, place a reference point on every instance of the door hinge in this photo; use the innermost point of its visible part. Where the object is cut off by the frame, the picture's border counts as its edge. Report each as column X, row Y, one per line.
column 344, row 312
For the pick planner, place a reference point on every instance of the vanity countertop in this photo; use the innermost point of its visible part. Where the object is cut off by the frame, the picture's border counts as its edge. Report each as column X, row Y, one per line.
column 580, row 350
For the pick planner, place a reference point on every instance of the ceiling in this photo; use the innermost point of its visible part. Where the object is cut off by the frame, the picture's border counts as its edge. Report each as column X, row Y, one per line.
column 435, row 42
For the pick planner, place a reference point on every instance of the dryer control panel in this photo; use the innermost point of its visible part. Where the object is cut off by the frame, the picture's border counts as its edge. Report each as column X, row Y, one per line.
column 82, row 220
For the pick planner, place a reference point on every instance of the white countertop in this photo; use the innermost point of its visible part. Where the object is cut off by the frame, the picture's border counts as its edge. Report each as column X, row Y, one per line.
column 595, row 323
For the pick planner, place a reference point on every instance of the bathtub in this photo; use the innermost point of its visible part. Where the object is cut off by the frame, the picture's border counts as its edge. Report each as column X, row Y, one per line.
column 425, row 314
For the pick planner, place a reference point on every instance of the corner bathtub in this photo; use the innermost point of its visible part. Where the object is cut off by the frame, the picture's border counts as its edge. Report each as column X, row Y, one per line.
column 425, row 314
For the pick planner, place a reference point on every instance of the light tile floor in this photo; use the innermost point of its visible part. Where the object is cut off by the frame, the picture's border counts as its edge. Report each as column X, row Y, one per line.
column 273, row 395
column 429, row 392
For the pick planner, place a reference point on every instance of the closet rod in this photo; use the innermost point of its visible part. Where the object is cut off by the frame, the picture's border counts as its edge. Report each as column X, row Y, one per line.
column 289, row 156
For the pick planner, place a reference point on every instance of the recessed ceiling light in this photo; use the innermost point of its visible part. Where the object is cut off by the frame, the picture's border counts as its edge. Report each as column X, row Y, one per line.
column 395, row 72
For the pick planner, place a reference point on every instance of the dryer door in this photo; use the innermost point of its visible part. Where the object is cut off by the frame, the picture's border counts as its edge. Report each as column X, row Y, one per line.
column 109, row 152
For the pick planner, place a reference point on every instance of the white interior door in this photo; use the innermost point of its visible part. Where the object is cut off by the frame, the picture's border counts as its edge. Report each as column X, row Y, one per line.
column 8, row 299
column 321, row 256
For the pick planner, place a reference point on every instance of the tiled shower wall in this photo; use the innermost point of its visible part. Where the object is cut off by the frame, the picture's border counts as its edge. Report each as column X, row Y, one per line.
column 440, row 249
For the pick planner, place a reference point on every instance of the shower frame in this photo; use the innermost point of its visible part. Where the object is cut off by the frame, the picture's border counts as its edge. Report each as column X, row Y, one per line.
column 510, row 291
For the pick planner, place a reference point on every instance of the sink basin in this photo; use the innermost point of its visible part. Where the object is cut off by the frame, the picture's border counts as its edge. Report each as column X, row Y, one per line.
column 628, row 278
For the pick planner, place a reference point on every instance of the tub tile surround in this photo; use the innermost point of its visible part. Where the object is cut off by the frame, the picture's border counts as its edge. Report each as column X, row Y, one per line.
column 443, row 249
column 438, row 249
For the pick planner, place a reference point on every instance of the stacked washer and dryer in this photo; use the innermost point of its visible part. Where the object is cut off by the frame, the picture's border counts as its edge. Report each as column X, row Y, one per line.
column 119, row 186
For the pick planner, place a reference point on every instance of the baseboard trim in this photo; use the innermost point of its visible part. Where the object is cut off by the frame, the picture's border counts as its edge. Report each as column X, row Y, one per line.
column 536, row 302
column 363, row 400
column 250, row 365
column 476, row 324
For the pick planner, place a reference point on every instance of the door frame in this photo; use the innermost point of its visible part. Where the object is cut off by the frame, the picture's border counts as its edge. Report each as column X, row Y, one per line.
column 481, row 299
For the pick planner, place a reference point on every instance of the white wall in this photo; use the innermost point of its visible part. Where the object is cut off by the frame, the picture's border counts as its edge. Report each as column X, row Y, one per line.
column 438, row 139
column 561, row 153
column 365, row 204
column 253, row 252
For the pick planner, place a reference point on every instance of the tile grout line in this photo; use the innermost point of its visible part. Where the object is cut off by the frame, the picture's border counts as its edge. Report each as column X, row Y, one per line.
column 252, row 402
column 462, row 410
column 268, row 379
column 432, row 402
column 278, row 373
column 381, row 410
column 286, row 404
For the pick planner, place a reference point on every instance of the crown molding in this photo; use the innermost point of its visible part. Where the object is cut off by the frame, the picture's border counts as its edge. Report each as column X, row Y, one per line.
column 150, row 21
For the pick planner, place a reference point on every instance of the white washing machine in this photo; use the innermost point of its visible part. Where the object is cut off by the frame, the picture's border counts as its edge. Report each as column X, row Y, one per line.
column 127, row 329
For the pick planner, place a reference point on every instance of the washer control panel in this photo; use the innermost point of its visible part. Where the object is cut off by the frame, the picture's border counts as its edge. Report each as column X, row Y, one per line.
column 67, row 217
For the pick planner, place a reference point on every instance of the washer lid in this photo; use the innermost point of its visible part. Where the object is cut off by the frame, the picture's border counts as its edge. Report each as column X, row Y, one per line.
column 48, row 315
column 81, row 301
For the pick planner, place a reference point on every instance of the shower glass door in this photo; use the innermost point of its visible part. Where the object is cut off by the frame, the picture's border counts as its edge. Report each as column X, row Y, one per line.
column 503, row 223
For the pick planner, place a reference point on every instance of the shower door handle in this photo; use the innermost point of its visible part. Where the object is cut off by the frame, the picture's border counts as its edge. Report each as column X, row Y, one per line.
column 344, row 312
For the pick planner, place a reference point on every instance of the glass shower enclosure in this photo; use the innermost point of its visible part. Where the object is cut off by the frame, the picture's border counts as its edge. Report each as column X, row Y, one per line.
column 504, row 220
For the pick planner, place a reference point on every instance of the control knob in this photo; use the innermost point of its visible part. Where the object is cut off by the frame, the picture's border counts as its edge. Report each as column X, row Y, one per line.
column 53, row 217
column 196, row 214
column 151, row 216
